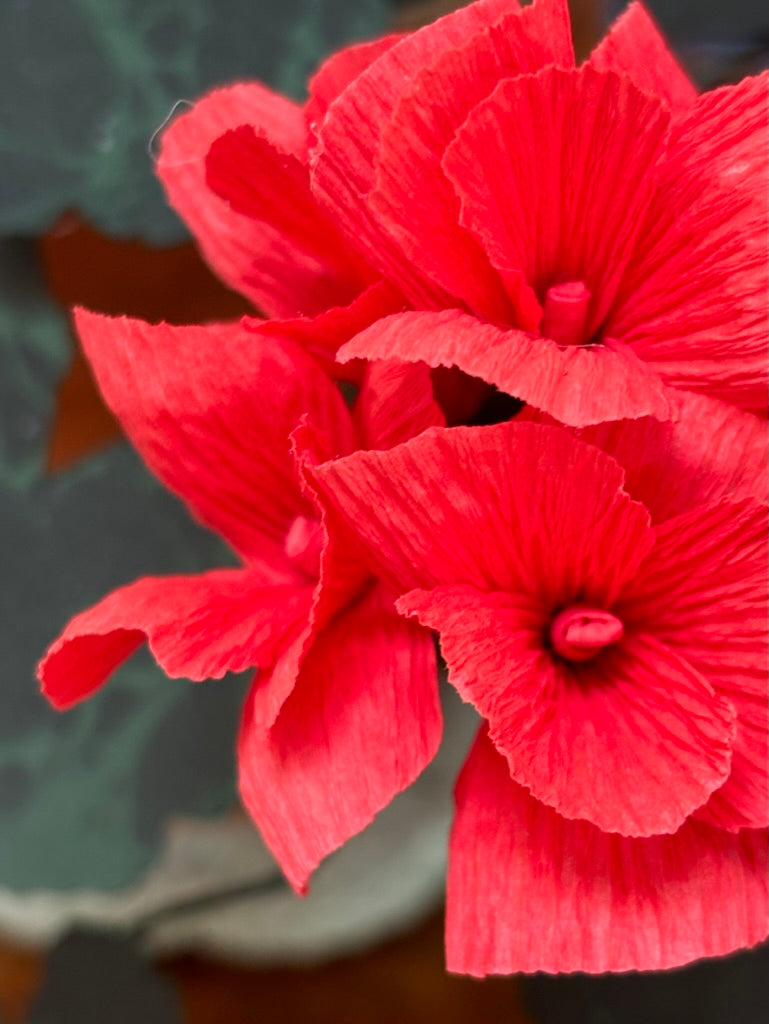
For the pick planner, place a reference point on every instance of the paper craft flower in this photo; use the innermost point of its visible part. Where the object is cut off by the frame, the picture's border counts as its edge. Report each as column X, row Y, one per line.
column 612, row 814
column 467, row 210
column 268, row 238
column 344, row 712
column 550, row 226
column 575, row 237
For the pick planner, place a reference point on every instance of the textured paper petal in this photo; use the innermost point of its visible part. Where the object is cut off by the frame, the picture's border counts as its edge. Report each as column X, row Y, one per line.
column 322, row 335
column 343, row 164
column 707, row 451
column 577, row 384
column 423, row 123
column 694, row 300
column 362, row 723
column 231, row 243
column 265, row 183
column 530, row 891
column 337, row 72
column 211, row 409
column 273, row 687
column 702, row 591
column 395, row 403
column 343, row 578
column 512, row 507
column 635, row 47
column 196, row 626
column 633, row 740
column 554, row 175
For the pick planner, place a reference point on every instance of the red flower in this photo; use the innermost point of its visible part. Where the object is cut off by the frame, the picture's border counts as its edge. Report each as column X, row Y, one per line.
column 588, row 240
column 212, row 411
column 252, row 213
column 577, row 237
column 614, row 640
column 552, row 228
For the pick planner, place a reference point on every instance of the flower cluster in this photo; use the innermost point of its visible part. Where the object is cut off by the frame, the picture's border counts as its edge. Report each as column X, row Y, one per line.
column 545, row 288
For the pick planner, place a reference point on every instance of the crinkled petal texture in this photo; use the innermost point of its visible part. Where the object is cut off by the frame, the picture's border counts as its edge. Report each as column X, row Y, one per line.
column 530, row 891
column 198, row 627
column 702, row 592
column 343, row 163
column 361, row 724
column 577, row 384
column 336, row 73
column 210, row 409
column 250, row 255
column 516, row 507
column 270, row 186
column 635, row 48
column 235, row 168
column 519, row 41
column 554, row 174
column 693, row 302
column 322, row 335
column 614, row 176
column 706, row 451
column 495, row 530
column 632, row 741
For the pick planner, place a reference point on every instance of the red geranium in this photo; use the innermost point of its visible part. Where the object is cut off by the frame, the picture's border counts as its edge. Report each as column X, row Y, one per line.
column 212, row 410
column 610, row 627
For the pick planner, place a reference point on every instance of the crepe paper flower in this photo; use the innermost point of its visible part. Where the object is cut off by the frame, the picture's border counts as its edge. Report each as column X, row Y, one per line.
column 285, row 256
column 612, row 814
column 330, row 733
column 252, row 212
column 576, row 237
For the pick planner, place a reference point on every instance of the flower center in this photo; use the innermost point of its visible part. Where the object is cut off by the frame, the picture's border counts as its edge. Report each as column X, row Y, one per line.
column 565, row 312
column 303, row 544
column 579, row 633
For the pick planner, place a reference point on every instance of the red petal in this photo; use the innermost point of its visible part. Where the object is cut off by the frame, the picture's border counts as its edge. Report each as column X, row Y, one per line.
column 343, row 577
column 635, row 47
column 337, row 72
column 211, row 409
column 343, row 164
column 530, row 891
column 512, row 507
column 554, row 173
column 196, row 626
column 707, row 451
column 233, row 244
column 272, row 688
column 412, row 143
column 322, row 335
column 577, row 384
column 267, row 184
column 633, row 740
column 395, row 403
column 702, row 592
column 362, row 723
column 694, row 300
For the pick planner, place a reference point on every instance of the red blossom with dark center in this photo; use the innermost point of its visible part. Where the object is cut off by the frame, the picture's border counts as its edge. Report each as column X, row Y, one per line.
column 470, row 171
column 589, row 632
column 605, row 207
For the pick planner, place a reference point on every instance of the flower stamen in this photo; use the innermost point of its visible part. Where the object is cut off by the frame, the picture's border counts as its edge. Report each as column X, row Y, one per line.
column 565, row 312
column 579, row 633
